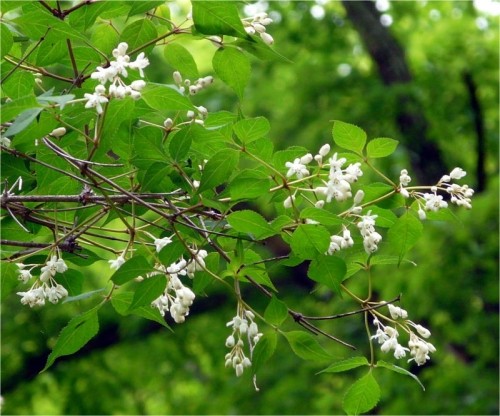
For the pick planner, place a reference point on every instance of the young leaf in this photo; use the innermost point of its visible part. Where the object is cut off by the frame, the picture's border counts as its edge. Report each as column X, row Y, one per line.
column 309, row 240
column 149, row 289
column 404, row 234
column 306, row 346
column 348, row 136
column 163, row 98
column 233, row 68
column 217, row 18
column 276, row 312
column 328, row 270
column 381, row 147
column 251, row 129
column 250, row 222
column 75, row 335
column 179, row 58
column 399, row 370
column 362, row 396
column 264, row 350
column 136, row 266
column 218, row 169
column 346, row 365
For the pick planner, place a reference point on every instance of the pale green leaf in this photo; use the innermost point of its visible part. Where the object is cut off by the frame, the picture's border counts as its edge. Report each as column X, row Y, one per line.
column 308, row 241
column 328, row 270
column 362, row 396
column 250, row 222
column 164, row 98
column 6, row 40
column 403, row 235
column 251, row 129
column 348, row 136
column 233, row 68
column 399, row 370
column 217, row 18
column 381, row 147
column 179, row 58
column 136, row 266
column 320, row 215
column 264, row 350
column 346, row 365
column 305, row 346
column 139, row 33
column 276, row 312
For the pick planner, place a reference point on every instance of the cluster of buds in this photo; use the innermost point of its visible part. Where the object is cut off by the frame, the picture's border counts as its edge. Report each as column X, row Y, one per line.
column 45, row 286
column 338, row 242
column 431, row 201
column 192, row 87
column 243, row 326
column 257, row 24
column 387, row 336
column 113, row 74
column 199, row 116
column 371, row 238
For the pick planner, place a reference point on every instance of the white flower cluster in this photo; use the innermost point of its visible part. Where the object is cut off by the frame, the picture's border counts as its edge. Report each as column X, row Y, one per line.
column 430, row 201
column 337, row 242
column 387, row 336
column 113, row 74
column 243, row 325
column 192, row 87
column 257, row 24
column 371, row 238
column 45, row 287
column 199, row 116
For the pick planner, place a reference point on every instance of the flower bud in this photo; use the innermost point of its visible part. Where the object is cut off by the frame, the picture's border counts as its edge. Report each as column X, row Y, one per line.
column 168, row 123
column 324, row 150
column 359, row 197
column 60, row 131
column 177, row 77
column 267, row 38
column 289, row 201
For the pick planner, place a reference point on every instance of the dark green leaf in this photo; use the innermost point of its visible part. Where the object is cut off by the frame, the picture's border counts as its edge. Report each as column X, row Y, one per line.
column 233, row 68
column 404, row 234
column 348, row 136
column 136, row 266
column 346, row 365
column 328, row 270
column 72, row 280
column 306, row 346
column 139, row 33
column 264, row 350
column 156, row 178
column 180, row 143
column 218, row 169
column 121, row 302
column 149, row 290
column 179, row 58
column 75, row 335
column 250, row 222
column 251, row 129
column 51, row 50
column 399, row 370
column 9, row 277
column 362, row 396
column 320, row 215
column 217, row 18
column 309, row 240
column 164, row 98
column 36, row 24
column 276, row 312
column 249, row 184
column 171, row 253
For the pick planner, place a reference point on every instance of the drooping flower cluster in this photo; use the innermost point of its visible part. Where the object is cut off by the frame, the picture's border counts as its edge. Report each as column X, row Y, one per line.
column 257, row 24
column 244, row 327
column 45, row 286
column 371, row 238
column 114, row 74
column 387, row 336
column 192, row 87
column 338, row 242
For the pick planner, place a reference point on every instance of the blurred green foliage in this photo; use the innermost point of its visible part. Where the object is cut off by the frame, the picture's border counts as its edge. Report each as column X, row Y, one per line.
column 141, row 368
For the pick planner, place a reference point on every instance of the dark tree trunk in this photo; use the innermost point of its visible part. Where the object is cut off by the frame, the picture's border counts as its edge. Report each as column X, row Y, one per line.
column 389, row 56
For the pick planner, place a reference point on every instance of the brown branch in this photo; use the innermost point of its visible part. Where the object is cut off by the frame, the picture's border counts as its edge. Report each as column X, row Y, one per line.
column 4, row 199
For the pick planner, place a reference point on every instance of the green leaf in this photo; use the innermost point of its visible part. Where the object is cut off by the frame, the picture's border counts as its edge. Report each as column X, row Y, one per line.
column 251, row 129
column 261, row 50
column 84, row 296
column 22, row 121
column 180, row 143
column 399, row 370
column 320, row 215
column 75, row 335
column 276, row 312
column 306, row 346
column 171, row 253
column 328, row 270
column 149, row 290
column 36, row 24
column 218, row 169
column 346, row 365
column 264, row 350
column 47, row 97
column 233, row 68
column 104, row 37
column 156, row 178
column 53, row 49
column 249, row 184
column 348, row 136
column 138, row 33
column 179, row 58
column 403, row 235
column 14, row 108
column 139, row 7
column 385, row 217
column 250, row 222
column 6, row 40
column 217, row 18
column 136, row 266
column 381, row 147
column 164, row 98
column 72, row 280
column 19, row 84
column 9, row 276
column 309, row 240
column 362, row 396
column 121, row 302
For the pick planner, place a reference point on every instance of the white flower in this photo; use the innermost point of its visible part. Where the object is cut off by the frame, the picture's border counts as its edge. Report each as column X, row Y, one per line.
column 24, row 275
column 352, row 172
column 397, row 312
column 288, row 202
column 33, row 297
column 177, row 77
column 54, row 293
column 421, row 214
column 424, row 332
column 400, row 351
column 434, row 202
column 296, row 168
column 96, row 99
column 53, row 266
column 138, row 85
column 140, row 63
column 162, row 242
column 404, row 179
column 117, row 263
column 457, row 173
column 5, row 141
column 104, row 75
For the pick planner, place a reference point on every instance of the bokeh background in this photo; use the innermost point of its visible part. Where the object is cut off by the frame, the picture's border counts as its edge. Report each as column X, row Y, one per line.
column 422, row 72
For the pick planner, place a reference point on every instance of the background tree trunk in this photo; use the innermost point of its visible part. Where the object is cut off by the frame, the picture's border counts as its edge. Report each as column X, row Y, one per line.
column 389, row 56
